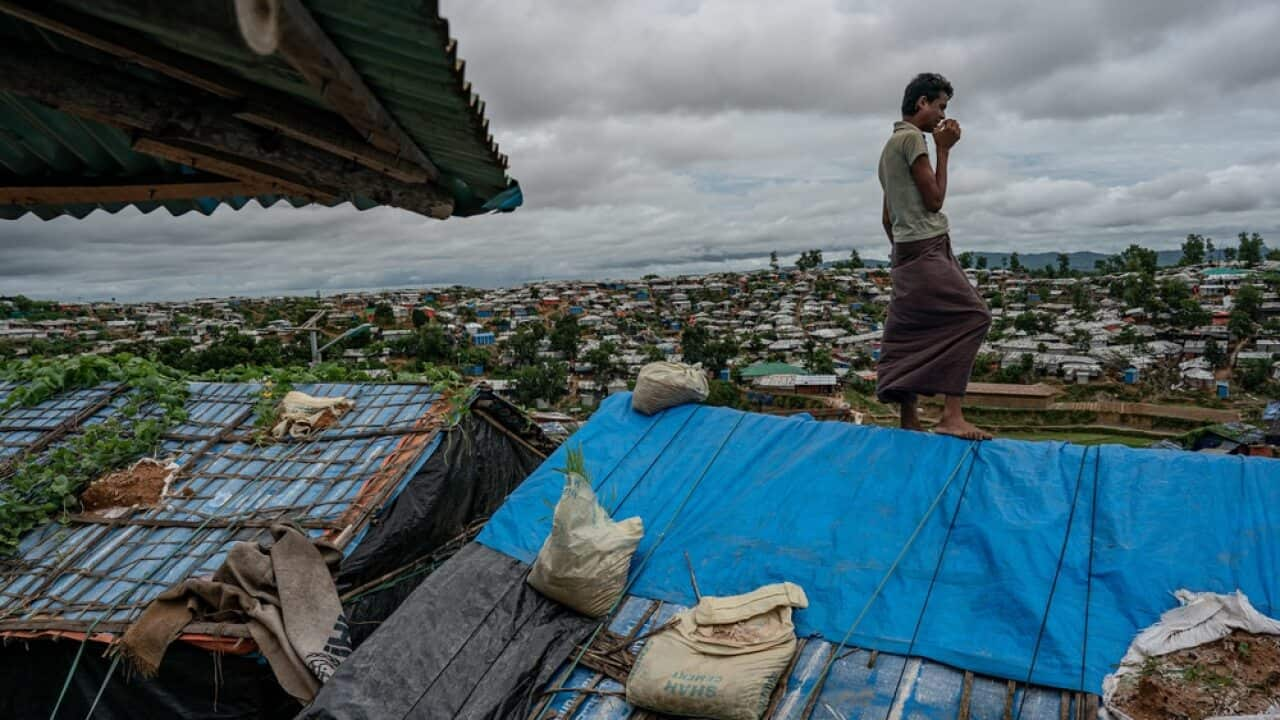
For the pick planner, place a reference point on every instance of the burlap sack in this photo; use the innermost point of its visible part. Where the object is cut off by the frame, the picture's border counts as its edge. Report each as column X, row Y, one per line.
column 662, row 385
column 585, row 560
column 722, row 659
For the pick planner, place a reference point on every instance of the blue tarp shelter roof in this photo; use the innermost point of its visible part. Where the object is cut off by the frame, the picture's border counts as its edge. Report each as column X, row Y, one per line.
column 1012, row 559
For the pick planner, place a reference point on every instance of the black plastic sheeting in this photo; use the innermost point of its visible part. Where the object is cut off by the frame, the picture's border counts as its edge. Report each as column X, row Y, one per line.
column 473, row 641
column 192, row 683
column 468, row 477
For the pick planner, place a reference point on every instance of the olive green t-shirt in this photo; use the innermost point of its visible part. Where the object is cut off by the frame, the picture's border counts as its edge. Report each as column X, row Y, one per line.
column 911, row 221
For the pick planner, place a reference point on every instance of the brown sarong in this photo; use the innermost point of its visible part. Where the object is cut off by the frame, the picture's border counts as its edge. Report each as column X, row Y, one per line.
column 935, row 324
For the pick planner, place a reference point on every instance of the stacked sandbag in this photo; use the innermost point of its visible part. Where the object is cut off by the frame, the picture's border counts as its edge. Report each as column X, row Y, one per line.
column 722, row 658
column 663, row 385
column 585, row 560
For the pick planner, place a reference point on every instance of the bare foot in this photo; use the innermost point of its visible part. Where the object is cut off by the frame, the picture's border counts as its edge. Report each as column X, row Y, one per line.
column 961, row 429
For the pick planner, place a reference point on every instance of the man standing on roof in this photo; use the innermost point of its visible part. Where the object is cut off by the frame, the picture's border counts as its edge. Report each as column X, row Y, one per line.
column 936, row 319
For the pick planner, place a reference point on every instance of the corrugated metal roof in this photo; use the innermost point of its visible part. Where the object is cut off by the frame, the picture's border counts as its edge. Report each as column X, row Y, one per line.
column 401, row 48
column 23, row 427
column 228, row 490
column 859, row 686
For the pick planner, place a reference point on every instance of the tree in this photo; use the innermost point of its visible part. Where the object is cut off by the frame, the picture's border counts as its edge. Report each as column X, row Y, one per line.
column 1027, row 322
column 1229, row 254
column 1248, row 300
column 384, row 316
column 982, row 262
column 433, row 345
column 565, row 335
column 1015, row 263
column 525, row 342
column 1020, row 373
column 1064, row 264
column 1137, row 259
column 822, row 364
column 855, row 260
column 723, row 394
column 1254, row 375
column 419, row 318
column 1192, row 250
column 966, row 260
column 1177, row 300
column 718, row 353
column 1082, row 300
column 693, row 343
column 603, row 364
column 1240, row 324
column 809, row 260
column 773, row 260
column 1213, row 353
column 1273, row 254
column 544, row 381
column 1250, row 252
column 1208, row 249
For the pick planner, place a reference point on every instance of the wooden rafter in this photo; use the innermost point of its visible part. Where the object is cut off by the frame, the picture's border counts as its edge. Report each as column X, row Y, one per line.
column 301, row 41
column 246, row 171
column 304, row 125
column 166, row 119
column 128, row 192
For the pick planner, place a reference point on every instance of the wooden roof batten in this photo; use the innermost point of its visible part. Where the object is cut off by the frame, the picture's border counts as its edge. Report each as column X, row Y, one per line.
column 221, row 123
column 203, row 133
column 258, row 108
column 286, row 27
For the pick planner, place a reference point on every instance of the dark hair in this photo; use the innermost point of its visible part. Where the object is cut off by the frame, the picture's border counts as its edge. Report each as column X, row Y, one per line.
column 929, row 85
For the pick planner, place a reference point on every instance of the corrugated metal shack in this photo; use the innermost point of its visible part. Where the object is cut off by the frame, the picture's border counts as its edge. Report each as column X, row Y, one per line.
column 110, row 103
column 392, row 483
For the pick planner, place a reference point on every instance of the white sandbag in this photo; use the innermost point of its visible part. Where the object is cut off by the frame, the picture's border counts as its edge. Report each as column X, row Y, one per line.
column 1201, row 617
column 302, row 416
column 722, row 658
column 663, row 385
column 585, row 560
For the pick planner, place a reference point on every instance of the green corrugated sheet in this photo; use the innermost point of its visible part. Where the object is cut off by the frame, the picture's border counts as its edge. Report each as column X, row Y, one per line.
column 400, row 47
column 765, row 369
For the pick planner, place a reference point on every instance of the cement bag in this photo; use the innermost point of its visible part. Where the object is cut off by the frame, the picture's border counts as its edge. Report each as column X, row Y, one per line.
column 721, row 659
column 663, row 385
column 1200, row 618
column 585, row 560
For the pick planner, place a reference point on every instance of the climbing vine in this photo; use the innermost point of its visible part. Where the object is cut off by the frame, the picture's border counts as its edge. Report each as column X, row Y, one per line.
column 43, row 486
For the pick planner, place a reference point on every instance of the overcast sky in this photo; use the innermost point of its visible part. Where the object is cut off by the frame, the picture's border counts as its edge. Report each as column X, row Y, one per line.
column 688, row 136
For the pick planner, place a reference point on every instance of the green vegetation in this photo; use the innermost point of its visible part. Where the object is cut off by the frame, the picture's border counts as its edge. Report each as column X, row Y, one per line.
column 47, row 485
column 43, row 486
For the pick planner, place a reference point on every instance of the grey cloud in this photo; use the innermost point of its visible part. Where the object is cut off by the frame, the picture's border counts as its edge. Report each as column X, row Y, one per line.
column 689, row 136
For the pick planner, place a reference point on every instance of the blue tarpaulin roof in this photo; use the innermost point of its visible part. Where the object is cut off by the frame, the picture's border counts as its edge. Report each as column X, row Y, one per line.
column 1044, row 554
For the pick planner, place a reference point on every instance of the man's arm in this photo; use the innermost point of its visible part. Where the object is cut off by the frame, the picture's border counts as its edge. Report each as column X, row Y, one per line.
column 931, row 183
column 885, row 220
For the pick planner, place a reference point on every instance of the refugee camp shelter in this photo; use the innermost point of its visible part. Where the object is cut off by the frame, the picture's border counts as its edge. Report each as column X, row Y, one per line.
column 946, row 578
column 394, row 483
column 189, row 106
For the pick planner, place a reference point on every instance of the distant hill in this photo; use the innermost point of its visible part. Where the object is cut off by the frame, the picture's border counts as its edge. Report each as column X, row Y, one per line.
column 1083, row 260
column 1079, row 260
